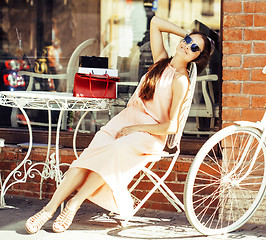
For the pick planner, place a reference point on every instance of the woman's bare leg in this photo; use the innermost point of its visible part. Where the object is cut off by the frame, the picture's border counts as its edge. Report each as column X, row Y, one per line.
column 92, row 184
column 73, row 179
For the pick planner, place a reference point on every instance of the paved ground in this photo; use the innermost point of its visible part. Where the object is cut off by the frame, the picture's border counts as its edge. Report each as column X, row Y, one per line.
column 91, row 222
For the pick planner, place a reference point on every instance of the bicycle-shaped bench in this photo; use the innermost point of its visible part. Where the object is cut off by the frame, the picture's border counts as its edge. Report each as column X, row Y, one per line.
column 227, row 180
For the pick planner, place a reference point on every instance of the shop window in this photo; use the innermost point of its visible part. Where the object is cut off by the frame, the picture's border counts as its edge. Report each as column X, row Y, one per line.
column 44, row 33
column 207, row 7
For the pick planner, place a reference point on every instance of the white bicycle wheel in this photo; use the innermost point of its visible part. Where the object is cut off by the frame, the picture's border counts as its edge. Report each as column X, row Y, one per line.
column 216, row 198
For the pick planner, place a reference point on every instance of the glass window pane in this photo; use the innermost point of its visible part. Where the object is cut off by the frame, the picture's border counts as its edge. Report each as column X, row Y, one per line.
column 41, row 36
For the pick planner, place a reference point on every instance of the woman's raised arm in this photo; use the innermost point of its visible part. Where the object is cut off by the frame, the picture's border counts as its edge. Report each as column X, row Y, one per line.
column 157, row 27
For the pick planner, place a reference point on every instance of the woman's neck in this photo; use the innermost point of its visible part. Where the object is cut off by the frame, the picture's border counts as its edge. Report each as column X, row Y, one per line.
column 178, row 64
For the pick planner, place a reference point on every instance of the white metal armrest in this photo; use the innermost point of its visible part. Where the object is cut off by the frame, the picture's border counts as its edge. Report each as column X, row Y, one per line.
column 212, row 77
column 207, row 108
column 39, row 75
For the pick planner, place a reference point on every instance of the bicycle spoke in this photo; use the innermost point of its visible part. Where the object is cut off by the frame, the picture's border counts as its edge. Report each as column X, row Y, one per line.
column 206, row 197
column 218, row 207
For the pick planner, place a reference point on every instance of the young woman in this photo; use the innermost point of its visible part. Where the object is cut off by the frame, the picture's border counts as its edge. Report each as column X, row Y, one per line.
column 132, row 138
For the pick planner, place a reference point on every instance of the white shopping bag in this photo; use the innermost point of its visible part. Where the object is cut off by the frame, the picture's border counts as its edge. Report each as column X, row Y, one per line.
column 99, row 71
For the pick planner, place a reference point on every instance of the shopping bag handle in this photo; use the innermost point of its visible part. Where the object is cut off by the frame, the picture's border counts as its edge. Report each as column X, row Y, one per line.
column 107, row 84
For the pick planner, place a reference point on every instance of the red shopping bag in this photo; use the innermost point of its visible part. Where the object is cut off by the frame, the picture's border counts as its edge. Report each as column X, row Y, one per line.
column 95, row 86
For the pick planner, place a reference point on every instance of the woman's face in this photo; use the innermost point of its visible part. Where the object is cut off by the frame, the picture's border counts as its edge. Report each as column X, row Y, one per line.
column 183, row 49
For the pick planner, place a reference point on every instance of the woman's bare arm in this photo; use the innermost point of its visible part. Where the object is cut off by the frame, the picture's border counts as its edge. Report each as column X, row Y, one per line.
column 157, row 27
column 179, row 89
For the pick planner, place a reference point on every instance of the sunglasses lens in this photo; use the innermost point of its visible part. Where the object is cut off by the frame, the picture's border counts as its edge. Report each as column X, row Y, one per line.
column 195, row 47
column 188, row 39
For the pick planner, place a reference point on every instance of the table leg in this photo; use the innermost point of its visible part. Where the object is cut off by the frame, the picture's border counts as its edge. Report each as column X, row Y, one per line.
column 45, row 172
column 20, row 176
column 76, row 132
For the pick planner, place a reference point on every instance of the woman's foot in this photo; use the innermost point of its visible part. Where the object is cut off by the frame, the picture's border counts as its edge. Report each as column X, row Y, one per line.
column 64, row 220
column 35, row 223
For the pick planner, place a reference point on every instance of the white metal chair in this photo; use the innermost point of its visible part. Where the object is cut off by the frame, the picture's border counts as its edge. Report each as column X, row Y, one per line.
column 173, row 140
column 85, row 48
column 207, row 108
column 2, row 144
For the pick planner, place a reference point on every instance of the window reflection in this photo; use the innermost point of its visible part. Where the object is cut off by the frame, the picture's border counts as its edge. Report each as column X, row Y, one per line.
column 41, row 35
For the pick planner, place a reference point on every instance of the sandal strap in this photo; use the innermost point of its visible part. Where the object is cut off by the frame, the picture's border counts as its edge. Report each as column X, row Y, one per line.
column 37, row 221
column 64, row 220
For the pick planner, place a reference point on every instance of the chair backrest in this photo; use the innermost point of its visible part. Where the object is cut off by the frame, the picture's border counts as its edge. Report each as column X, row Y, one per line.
column 174, row 139
column 85, row 48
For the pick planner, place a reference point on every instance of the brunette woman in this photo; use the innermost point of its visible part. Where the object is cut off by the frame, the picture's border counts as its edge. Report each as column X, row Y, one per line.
column 132, row 138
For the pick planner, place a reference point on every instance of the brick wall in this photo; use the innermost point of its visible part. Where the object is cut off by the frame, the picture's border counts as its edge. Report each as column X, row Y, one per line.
column 12, row 156
column 244, row 56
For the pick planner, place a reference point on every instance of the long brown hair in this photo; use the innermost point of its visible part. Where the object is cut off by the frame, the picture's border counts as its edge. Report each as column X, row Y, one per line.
column 155, row 71
column 202, row 60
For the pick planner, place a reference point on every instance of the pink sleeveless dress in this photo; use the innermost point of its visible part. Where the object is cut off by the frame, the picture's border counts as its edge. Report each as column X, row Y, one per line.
column 117, row 161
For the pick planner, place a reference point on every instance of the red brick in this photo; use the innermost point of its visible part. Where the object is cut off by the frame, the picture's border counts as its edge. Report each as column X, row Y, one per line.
column 231, row 115
column 8, row 165
column 163, row 165
column 31, row 194
column 254, row 61
column 248, row 7
column 4, row 174
column 145, row 185
column 161, row 206
column 171, row 177
column 257, row 75
column 176, row 187
column 259, row 47
column 236, row 74
column 254, row 7
column 139, row 194
column 232, row 60
column 260, row 7
column 181, row 177
column 236, row 47
column 232, row 34
column 232, row 7
column 183, row 166
column 67, row 158
column 38, row 157
column 259, row 20
column 226, row 124
column 238, row 20
column 158, row 197
column 229, row 87
column 258, row 102
column 254, row 34
column 28, row 186
column 235, row 101
column 254, row 88
column 9, row 155
column 252, row 114
column 21, row 156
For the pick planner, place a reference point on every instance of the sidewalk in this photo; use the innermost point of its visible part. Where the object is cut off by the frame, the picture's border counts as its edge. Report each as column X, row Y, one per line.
column 92, row 223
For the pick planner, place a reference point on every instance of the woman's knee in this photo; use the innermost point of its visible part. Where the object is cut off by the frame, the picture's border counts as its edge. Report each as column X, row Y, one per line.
column 77, row 172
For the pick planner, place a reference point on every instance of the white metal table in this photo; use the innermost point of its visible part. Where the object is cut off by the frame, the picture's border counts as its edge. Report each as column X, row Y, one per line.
column 50, row 101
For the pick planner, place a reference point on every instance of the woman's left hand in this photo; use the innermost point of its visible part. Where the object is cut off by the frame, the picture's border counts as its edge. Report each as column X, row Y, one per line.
column 127, row 130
